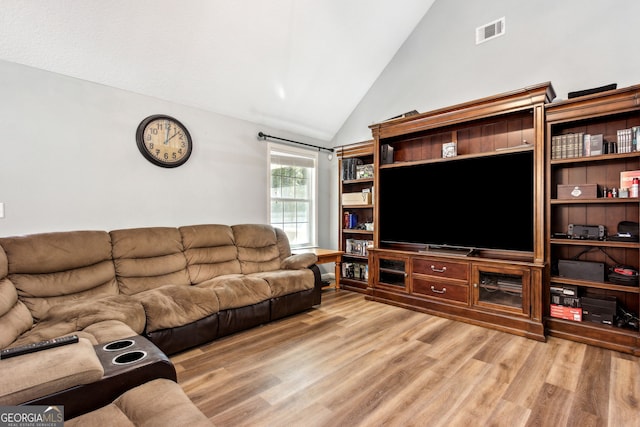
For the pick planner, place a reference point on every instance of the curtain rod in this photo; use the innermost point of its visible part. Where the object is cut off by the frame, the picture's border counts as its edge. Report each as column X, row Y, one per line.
column 263, row 137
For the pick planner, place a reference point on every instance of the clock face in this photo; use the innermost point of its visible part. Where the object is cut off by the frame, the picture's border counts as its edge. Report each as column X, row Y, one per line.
column 164, row 141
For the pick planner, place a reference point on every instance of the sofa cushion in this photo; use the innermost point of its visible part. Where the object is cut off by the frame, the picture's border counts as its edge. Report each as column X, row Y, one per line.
column 106, row 331
column 298, row 261
column 14, row 321
column 14, row 315
column 155, row 403
column 285, row 282
column 257, row 247
column 148, row 258
column 210, row 251
column 174, row 306
column 66, row 319
column 282, row 241
column 34, row 375
column 237, row 290
column 55, row 268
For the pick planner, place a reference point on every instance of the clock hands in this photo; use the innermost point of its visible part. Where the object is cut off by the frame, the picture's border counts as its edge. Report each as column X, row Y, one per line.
column 172, row 136
column 166, row 136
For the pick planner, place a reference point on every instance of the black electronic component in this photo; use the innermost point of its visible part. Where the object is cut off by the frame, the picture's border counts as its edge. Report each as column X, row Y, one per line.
column 599, row 310
column 587, row 232
column 581, row 270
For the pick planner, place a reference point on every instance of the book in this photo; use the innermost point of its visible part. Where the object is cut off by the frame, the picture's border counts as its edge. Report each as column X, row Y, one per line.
column 586, row 141
column 580, row 142
column 596, row 145
column 625, row 140
column 353, row 220
column 349, row 168
column 555, row 143
column 349, row 220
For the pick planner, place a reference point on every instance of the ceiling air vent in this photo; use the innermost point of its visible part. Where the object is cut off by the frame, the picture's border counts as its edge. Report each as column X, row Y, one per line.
column 490, row 31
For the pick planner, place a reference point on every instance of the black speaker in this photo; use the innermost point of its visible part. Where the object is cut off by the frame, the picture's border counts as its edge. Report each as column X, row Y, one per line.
column 386, row 155
column 584, row 270
column 579, row 93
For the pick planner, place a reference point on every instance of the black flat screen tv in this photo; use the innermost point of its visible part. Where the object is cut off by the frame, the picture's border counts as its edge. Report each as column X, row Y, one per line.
column 476, row 202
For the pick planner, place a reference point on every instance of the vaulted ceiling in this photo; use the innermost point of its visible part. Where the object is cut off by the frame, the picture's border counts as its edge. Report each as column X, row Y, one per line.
column 295, row 65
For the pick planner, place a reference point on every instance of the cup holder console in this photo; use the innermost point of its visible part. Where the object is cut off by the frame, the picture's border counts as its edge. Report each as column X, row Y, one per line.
column 124, row 358
column 133, row 357
column 129, row 357
column 118, row 345
column 127, row 362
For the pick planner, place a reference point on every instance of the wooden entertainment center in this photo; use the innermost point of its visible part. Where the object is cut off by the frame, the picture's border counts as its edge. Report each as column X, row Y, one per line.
column 497, row 288
column 500, row 282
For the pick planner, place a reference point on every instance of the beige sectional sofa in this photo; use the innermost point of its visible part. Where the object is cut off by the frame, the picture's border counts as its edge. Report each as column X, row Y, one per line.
column 176, row 286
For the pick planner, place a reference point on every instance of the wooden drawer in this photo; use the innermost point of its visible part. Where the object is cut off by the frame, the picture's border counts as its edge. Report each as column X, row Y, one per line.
column 441, row 289
column 448, row 269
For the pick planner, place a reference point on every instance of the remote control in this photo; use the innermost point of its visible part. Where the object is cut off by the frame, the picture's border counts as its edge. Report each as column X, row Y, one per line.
column 37, row 346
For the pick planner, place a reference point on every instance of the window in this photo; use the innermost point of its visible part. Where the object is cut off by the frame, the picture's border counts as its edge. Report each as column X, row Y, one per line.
column 293, row 176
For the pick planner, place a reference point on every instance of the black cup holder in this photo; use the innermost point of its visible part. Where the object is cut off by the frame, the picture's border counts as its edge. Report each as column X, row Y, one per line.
column 118, row 345
column 129, row 357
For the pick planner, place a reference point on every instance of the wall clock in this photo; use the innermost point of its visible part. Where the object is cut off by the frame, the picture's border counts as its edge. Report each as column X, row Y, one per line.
column 164, row 141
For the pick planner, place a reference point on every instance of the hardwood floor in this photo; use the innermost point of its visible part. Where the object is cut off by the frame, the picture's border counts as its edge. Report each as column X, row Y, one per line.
column 352, row 362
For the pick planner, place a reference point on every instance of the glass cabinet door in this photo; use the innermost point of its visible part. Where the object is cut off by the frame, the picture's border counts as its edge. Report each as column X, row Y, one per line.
column 502, row 288
column 392, row 272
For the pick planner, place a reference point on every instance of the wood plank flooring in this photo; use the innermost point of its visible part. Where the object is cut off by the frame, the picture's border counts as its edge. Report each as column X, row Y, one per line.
column 352, row 362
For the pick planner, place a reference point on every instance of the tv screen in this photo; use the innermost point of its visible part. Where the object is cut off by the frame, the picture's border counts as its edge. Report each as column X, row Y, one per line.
column 480, row 202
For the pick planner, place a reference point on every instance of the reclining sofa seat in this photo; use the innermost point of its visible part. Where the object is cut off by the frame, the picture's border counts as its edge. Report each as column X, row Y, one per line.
column 160, row 402
column 264, row 252
column 151, row 268
column 67, row 282
column 252, row 271
column 212, row 258
column 53, row 285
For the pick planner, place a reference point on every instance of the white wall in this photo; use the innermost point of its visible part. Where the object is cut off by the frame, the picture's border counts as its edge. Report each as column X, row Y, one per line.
column 571, row 43
column 70, row 161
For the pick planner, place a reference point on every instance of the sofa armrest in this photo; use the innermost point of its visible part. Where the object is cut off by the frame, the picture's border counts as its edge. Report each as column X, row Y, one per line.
column 38, row 374
column 317, row 284
column 299, row 261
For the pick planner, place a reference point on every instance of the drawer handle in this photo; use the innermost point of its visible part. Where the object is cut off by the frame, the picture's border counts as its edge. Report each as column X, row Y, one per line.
column 443, row 291
column 438, row 270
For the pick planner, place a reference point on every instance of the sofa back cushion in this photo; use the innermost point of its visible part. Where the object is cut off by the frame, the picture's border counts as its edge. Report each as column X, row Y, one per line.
column 147, row 258
column 14, row 315
column 210, row 251
column 257, row 247
column 283, row 243
column 55, row 268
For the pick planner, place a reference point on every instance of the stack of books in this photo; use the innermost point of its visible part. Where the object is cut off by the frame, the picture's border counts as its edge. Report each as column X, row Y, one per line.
column 628, row 139
column 579, row 144
column 350, row 220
